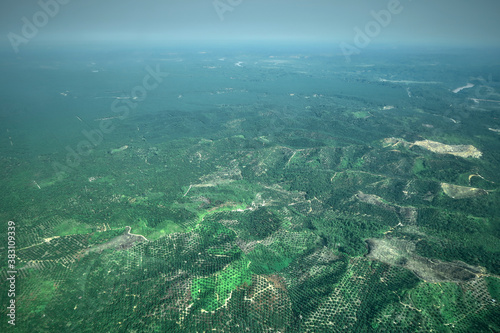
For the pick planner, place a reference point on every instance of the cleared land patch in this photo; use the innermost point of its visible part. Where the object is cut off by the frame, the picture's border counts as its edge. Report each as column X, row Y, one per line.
column 400, row 252
column 456, row 150
column 461, row 192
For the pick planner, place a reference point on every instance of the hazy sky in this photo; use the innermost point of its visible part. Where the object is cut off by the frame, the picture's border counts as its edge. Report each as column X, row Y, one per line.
column 441, row 21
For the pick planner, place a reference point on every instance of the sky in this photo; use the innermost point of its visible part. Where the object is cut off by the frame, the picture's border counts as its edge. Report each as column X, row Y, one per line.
column 458, row 22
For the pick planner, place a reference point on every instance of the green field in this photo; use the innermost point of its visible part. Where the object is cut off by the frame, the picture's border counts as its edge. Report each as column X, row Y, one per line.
column 280, row 198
